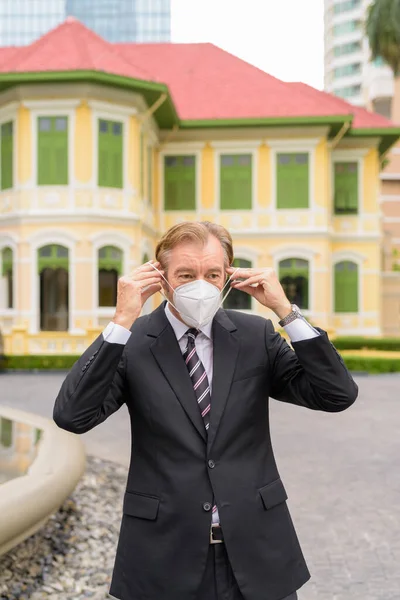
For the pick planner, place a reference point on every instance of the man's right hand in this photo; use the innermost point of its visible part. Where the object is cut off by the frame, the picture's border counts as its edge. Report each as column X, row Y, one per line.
column 134, row 290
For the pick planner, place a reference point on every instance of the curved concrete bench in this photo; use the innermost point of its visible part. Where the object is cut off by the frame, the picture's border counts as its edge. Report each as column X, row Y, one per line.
column 27, row 501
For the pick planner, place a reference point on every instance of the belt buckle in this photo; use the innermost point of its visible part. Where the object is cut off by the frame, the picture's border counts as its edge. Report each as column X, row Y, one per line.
column 212, row 541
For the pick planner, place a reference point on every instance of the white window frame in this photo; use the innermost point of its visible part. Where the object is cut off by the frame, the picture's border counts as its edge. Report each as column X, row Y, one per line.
column 298, row 146
column 181, row 149
column 99, row 240
column 52, row 108
column 6, row 241
column 349, row 155
column 358, row 259
column 235, row 148
column 7, row 114
column 302, row 253
column 107, row 111
column 44, row 238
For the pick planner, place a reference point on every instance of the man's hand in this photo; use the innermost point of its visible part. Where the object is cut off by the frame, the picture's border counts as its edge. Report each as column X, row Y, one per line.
column 264, row 286
column 133, row 291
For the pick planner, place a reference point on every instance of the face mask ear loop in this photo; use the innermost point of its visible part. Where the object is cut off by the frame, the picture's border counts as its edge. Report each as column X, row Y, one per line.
column 230, row 289
column 162, row 292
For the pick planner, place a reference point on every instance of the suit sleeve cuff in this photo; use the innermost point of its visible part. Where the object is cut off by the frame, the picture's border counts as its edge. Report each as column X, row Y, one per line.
column 300, row 329
column 116, row 334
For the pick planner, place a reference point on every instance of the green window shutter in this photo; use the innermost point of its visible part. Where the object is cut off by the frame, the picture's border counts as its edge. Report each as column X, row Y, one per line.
column 236, row 186
column 346, row 287
column 117, row 131
column 103, row 154
column 6, row 261
column 180, row 183
column 53, row 257
column 292, row 177
column 346, row 188
column 60, row 150
column 53, row 151
column 110, row 154
column 7, row 155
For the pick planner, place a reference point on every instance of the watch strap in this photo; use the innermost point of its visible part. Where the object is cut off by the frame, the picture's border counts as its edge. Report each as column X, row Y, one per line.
column 292, row 316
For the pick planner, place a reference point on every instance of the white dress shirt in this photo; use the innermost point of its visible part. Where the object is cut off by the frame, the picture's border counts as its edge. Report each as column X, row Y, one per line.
column 298, row 330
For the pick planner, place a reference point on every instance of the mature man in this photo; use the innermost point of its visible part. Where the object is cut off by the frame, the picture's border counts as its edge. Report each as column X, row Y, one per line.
column 204, row 513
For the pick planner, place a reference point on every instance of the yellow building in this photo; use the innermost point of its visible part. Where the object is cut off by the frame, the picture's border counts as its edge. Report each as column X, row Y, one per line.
column 104, row 146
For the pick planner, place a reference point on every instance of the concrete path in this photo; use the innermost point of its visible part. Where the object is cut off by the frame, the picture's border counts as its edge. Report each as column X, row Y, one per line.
column 342, row 474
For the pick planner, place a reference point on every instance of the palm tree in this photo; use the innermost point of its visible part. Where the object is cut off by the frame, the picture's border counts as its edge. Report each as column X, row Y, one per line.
column 383, row 32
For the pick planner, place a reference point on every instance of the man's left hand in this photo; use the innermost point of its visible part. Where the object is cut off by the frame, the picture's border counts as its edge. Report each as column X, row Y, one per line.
column 264, row 286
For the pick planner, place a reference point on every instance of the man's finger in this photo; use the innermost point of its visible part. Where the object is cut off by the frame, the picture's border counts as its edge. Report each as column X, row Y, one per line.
column 150, row 290
column 241, row 273
column 247, row 289
column 147, row 267
column 256, row 279
column 139, row 275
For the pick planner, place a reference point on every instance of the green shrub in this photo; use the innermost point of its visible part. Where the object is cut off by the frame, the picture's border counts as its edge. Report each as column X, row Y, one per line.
column 353, row 362
column 359, row 343
column 47, row 363
column 372, row 365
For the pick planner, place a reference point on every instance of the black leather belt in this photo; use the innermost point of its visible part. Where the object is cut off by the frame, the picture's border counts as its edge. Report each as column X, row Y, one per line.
column 216, row 535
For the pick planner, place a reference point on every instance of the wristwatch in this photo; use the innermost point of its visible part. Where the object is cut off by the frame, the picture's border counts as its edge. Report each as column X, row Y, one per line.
column 292, row 316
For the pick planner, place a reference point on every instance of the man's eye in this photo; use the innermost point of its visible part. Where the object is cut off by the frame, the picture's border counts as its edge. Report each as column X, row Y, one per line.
column 214, row 276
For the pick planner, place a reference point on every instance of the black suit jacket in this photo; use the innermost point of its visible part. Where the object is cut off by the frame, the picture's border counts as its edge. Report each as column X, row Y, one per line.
column 164, row 536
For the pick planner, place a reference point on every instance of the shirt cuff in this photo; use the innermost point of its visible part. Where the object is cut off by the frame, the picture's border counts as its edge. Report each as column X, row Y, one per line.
column 300, row 329
column 116, row 334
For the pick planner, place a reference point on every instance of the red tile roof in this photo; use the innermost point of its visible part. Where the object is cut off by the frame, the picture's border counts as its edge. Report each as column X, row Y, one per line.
column 205, row 82
column 209, row 83
column 363, row 119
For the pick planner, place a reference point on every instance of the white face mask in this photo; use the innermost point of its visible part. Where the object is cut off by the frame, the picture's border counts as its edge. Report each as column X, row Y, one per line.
column 197, row 301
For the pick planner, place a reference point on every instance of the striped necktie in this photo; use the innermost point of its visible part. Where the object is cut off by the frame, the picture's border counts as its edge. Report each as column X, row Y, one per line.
column 200, row 381
column 198, row 376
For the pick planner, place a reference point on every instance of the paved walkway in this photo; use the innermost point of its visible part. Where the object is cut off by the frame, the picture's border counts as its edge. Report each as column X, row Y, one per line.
column 342, row 474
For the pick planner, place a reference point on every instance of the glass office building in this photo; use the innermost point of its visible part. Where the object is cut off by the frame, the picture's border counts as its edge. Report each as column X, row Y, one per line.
column 23, row 21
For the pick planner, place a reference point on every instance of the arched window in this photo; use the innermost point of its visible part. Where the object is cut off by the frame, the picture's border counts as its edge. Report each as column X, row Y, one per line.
column 294, row 277
column 6, row 284
column 238, row 300
column 346, row 287
column 109, row 270
column 53, row 267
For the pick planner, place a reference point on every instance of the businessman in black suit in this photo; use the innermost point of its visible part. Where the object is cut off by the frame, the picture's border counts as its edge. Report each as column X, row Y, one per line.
column 204, row 513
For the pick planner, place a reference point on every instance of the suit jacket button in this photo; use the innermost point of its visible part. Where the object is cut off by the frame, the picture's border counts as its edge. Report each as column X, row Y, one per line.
column 207, row 506
column 211, row 464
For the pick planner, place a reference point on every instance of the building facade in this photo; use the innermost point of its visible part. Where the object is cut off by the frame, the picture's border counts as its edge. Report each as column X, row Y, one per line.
column 350, row 74
column 93, row 170
column 23, row 21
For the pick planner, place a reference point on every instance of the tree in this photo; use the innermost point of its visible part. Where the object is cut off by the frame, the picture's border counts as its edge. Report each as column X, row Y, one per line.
column 383, row 32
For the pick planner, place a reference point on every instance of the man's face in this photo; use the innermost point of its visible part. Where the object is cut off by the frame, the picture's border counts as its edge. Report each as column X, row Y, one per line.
column 190, row 261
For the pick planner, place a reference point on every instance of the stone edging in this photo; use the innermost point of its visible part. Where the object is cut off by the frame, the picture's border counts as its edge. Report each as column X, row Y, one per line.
column 27, row 502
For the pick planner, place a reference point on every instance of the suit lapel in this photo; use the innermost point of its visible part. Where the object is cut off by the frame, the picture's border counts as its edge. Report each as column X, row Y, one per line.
column 226, row 349
column 167, row 353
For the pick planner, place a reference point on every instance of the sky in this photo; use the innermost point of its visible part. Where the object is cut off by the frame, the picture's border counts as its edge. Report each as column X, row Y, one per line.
column 283, row 37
